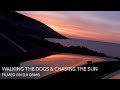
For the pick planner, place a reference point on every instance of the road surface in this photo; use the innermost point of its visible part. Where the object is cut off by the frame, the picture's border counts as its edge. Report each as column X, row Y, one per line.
column 9, row 47
column 14, row 50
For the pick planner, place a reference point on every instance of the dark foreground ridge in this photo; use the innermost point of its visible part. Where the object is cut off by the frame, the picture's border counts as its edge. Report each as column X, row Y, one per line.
column 23, row 38
column 15, row 30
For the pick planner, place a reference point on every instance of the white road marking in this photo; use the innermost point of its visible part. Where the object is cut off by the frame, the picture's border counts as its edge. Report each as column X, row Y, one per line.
column 14, row 43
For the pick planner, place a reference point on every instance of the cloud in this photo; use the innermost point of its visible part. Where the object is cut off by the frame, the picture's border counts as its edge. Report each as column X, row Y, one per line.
column 95, row 25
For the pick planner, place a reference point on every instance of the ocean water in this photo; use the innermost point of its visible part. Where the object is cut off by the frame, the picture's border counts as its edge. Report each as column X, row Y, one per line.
column 111, row 49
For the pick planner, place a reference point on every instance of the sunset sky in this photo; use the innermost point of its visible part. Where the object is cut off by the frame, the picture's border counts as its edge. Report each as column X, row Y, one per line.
column 92, row 25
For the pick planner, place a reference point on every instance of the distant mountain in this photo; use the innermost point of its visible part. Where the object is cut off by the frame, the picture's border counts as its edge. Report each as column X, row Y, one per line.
column 15, row 23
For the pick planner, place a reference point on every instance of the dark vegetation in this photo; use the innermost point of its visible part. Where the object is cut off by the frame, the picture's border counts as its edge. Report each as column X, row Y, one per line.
column 56, row 47
column 21, row 28
column 13, row 23
column 29, row 29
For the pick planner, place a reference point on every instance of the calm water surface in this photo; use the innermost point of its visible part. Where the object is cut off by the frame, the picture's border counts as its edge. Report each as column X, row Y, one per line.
column 57, row 60
column 62, row 60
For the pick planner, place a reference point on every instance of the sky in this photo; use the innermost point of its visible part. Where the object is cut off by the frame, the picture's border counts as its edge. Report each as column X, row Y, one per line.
column 90, row 25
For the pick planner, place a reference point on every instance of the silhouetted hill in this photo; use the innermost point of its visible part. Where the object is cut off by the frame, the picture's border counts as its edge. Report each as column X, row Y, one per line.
column 15, row 23
column 15, row 31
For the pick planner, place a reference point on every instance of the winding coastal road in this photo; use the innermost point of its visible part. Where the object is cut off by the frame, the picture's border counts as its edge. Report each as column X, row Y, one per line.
column 9, row 47
column 13, row 51
column 13, row 42
column 14, row 47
